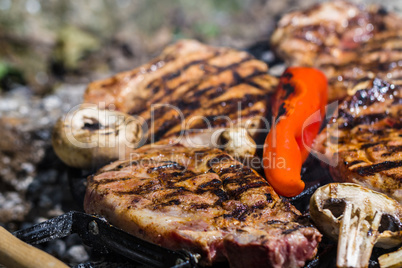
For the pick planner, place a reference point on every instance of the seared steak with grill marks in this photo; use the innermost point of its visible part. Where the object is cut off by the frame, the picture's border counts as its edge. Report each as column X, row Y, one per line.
column 218, row 85
column 347, row 42
column 204, row 201
column 366, row 136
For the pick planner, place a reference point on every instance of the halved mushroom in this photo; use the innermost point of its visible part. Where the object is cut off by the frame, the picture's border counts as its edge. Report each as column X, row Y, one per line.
column 391, row 260
column 89, row 137
column 235, row 141
column 359, row 218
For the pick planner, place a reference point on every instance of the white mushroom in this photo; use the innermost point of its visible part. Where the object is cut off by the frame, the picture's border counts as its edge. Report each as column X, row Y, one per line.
column 89, row 137
column 359, row 218
column 237, row 142
column 391, row 260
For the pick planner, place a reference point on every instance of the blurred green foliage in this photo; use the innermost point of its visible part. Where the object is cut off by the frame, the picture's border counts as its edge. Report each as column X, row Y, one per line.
column 85, row 40
column 9, row 76
column 51, row 38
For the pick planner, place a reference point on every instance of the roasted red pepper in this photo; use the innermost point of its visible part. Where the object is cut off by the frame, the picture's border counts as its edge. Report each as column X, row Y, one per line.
column 301, row 93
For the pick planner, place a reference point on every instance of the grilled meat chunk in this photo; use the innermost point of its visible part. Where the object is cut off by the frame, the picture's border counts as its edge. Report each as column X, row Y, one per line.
column 190, row 86
column 349, row 43
column 363, row 143
column 204, row 201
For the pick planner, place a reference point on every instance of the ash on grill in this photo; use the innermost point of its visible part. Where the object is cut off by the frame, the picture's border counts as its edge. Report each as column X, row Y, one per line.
column 33, row 182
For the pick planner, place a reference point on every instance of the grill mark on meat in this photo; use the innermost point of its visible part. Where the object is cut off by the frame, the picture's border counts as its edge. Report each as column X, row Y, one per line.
column 237, row 178
column 368, row 145
column 123, row 165
column 106, row 181
column 239, row 213
column 173, row 177
column 364, row 119
column 234, row 103
column 269, row 197
column 343, row 68
column 177, row 191
column 217, row 91
column 219, row 70
column 243, row 188
column 372, row 169
column 173, row 202
column 255, row 85
column 200, row 206
column 202, row 91
column 289, row 231
column 377, row 132
column 222, row 196
column 348, row 117
column 182, row 69
column 391, row 150
column 350, row 164
column 166, row 125
column 209, row 185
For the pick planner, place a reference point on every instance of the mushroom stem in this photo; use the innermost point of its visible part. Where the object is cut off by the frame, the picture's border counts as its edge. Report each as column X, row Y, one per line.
column 357, row 236
column 391, row 260
column 353, row 215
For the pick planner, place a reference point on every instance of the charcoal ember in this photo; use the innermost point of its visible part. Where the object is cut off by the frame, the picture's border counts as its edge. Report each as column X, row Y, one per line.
column 32, row 183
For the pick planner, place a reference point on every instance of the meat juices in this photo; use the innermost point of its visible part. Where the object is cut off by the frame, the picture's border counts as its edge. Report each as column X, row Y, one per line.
column 204, row 201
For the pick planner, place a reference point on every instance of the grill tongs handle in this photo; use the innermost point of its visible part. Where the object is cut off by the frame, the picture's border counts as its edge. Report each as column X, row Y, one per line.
column 96, row 232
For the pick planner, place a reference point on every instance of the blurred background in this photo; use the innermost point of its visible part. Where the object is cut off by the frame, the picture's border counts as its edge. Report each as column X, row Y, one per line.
column 51, row 49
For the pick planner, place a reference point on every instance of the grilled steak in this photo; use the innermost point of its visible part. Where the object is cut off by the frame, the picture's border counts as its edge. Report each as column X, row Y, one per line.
column 347, row 42
column 204, row 201
column 363, row 142
column 207, row 87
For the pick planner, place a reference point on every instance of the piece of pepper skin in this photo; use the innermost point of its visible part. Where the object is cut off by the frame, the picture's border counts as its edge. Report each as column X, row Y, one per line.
column 301, row 93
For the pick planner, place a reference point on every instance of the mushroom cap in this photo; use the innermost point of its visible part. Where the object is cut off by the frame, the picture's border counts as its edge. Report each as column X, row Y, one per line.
column 89, row 137
column 237, row 142
column 328, row 204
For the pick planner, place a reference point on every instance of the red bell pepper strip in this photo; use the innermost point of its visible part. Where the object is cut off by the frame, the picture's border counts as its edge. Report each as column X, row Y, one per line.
column 301, row 92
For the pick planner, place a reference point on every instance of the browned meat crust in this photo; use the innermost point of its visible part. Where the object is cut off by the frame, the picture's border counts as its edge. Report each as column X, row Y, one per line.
column 349, row 43
column 204, row 201
column 363, row 142
column 203, row 82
